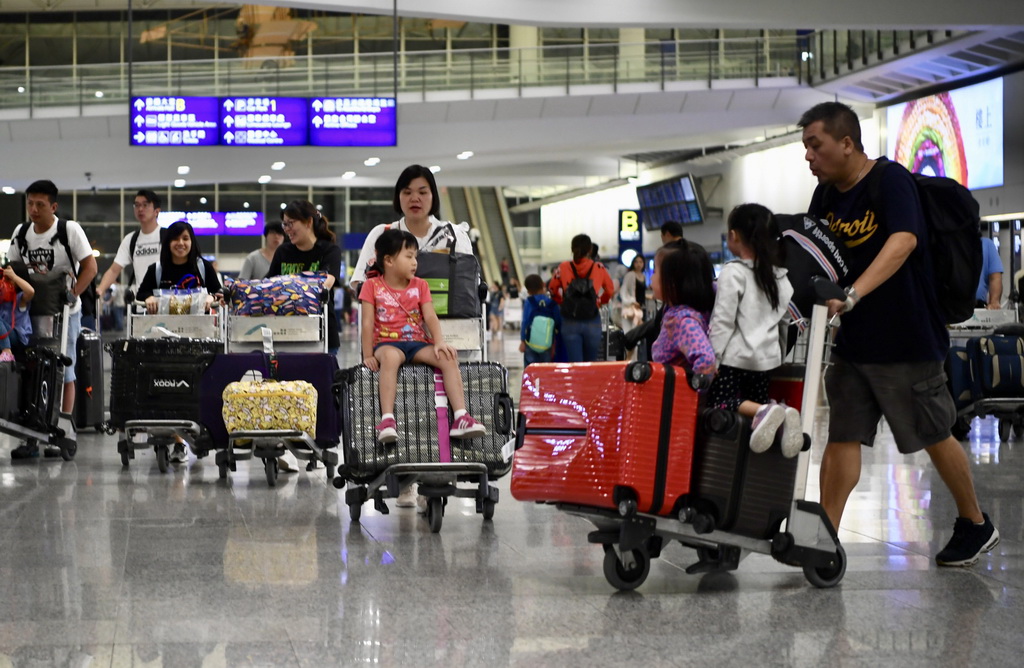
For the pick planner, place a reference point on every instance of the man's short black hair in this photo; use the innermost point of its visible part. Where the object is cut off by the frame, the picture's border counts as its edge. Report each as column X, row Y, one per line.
column 150, row 197
column 838, row 119
column 275, row 227
column 43, row 187
column 672, row 228
column 534, row 284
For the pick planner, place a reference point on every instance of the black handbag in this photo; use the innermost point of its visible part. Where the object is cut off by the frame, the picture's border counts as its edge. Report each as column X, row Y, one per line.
column 453, row 278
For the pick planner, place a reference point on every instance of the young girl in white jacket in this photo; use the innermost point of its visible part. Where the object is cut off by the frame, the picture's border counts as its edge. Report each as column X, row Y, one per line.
column 753, row 296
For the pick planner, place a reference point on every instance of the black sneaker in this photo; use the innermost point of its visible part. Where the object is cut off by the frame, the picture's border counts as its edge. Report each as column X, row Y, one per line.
column 968, row 542
column 51, row 452
column 25, row 451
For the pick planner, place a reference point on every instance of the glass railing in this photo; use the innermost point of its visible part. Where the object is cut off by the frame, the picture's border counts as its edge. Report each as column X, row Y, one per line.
column 808, row 58
column 423, row 72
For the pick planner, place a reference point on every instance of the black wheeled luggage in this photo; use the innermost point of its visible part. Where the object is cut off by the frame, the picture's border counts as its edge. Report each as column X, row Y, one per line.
column 158, row 379
column 42, row 388
column 10, row 390
column 746, row 493
column 89, row 381
column 487, row 400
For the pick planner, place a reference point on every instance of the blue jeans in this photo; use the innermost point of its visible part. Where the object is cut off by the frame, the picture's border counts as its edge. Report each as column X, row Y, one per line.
column 531, row 356
column 582, row 339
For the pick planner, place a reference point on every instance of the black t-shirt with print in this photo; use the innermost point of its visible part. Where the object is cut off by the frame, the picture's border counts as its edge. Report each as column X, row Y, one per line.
column 178, row 276
column 323, row 256
column 900, row 320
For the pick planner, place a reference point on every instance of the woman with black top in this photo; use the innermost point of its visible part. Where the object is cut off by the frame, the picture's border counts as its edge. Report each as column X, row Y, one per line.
column 181, row 266
column 310, row 247
column 633, row 294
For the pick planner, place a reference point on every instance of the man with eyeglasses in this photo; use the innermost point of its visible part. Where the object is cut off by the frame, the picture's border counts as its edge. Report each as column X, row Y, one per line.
column 139, row 249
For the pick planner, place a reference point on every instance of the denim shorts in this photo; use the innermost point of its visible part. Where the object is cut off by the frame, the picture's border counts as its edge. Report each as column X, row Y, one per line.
column 410, row 348
column 912, row 396
column 74, row 329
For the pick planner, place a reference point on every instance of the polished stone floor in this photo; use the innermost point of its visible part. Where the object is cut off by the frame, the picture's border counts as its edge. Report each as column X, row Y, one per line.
column 104, row 566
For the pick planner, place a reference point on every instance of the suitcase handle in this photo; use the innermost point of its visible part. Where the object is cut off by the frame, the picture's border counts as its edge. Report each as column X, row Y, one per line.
column 503, row 413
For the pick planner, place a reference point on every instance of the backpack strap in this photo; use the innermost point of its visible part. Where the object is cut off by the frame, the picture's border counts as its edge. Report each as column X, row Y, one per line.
column 61, row 236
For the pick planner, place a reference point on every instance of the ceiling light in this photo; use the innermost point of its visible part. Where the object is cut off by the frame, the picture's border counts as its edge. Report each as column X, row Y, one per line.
column 348, row 175
column 277, row 166
column 283, row 206
column 8, row 190
column 264, row 179
column 465, row 155
column 245, row 205
column 371, row 162
column 202, row 200
column 183, row 169
column 179, row 183
column 21, row 89
column 434, row 169
column 99, row 93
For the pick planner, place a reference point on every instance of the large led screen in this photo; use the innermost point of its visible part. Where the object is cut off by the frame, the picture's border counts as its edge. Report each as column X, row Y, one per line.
column 206, row 223
column 958, row 134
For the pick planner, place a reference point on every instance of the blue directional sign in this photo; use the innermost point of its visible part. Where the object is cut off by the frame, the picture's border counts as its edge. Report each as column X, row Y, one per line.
column 174, row 121
column 353, row 121
column 263, row 121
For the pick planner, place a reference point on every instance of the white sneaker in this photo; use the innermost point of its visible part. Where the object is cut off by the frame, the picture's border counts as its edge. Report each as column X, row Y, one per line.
column 792, row 433
column 765, row 425
column 178, row 454
column 421, row 504
column 407, row 499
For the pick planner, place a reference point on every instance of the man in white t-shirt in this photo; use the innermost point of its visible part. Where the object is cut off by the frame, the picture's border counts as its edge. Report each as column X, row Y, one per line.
column 146, row 242
column 45, row 254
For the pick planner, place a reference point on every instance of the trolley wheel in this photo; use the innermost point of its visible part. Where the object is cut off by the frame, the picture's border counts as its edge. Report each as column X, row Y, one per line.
column 1005, row 426
column 125, row 459
column 162, row 458
column 824, row 577
column 222, row 470
column 330, row 471
column 68, row 449
column 354, row 511
column 435, row 513
column 621, row 577
column 487, row 508
column 270, row 466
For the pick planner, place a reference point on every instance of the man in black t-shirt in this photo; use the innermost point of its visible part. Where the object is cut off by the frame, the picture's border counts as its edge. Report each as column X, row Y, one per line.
column 891, row 346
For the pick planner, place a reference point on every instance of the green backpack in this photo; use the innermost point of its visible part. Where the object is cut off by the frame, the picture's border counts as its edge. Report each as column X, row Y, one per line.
column 542, row 333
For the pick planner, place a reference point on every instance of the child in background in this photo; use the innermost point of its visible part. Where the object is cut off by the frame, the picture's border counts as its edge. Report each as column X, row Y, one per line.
column 399, row 324
column 753, row 296
column 684, row 280
column 15, row 324
column 538, row 304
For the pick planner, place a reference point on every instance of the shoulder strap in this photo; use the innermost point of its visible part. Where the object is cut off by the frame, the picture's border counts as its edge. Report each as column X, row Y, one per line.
column 62, row 236
column 132, row 244
column 572, row 265
column 22, row 240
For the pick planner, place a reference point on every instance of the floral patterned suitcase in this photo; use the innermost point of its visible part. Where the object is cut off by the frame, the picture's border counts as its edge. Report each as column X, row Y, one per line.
column 269, row 404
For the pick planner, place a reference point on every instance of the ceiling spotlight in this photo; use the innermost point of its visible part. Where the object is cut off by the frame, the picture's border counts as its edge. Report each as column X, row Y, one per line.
column 183, row 169
column 245, row 205
column 264, row 179
column 21, row 89
column 371, row 162
column 179, row 183
column 99, row 93
column 348, row 175
column 8, row 190
column 434, row 169
column 202, row 200
column 277, row 166
column 283, row 206
column 465, row 155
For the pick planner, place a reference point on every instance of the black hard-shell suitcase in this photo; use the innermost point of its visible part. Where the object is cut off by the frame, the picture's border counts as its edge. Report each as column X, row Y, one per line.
column 10, row 390
column 89, row 381
column 746, row 493
column 42, row 388
column 487, row 400
column 158, row 379
column 320, row 369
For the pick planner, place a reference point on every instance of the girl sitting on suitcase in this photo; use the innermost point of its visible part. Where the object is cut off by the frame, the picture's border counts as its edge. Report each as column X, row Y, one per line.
column 684, row 280
column 753, row 298
column 15, row 324
column 399, row 324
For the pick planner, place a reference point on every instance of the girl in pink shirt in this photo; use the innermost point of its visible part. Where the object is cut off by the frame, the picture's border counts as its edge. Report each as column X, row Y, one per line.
column 400, row 326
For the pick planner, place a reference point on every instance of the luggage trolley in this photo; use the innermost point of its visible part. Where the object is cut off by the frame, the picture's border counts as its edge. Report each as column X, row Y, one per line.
column 291, row 333
column 631, row 538
column 51, row 426
column 156, row 372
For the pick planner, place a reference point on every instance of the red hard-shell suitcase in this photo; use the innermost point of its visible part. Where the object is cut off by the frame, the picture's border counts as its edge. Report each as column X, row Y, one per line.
column 589, row 433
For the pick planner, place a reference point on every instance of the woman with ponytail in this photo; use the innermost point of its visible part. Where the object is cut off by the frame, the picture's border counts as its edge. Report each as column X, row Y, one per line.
column 310, row 247
column 753, row 297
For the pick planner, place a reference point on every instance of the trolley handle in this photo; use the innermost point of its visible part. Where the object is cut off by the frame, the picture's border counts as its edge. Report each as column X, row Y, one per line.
column 825, row 290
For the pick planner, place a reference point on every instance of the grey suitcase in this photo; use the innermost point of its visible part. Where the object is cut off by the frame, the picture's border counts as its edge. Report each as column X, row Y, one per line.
column 487, row 399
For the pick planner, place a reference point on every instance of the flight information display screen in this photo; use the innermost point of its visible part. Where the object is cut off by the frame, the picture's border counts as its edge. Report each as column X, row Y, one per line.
column 263, row 121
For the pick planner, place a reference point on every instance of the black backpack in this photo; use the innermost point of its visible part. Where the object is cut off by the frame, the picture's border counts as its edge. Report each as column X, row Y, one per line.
column 953, row 218
column 579, row 299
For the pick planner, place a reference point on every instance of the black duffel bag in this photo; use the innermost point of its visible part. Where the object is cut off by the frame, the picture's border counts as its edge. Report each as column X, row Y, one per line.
column 453, row 279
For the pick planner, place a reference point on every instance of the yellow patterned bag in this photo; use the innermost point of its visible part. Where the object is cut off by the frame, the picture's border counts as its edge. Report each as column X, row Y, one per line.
column 270, row 404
